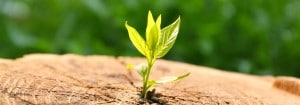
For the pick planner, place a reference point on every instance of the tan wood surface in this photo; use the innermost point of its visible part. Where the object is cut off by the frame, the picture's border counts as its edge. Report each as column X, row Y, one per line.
column 73, row 79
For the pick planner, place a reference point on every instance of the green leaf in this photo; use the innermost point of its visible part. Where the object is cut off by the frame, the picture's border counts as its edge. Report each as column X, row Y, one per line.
column 183, row 76
column 170, row 79
column 158, row 21
column 150, row 84
column 163, row 80
column 153, row 38
column 141, row 69
column 150, row 24
column 152, row 33
column 137, row 40
column 168, row 38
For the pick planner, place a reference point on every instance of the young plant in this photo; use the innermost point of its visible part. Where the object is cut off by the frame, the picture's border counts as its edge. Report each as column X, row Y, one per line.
column 158, row 43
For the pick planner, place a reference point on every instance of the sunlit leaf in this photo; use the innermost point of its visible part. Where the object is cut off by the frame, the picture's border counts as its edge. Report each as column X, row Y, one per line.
column 183, row 76
column 163, row 80
column 158, row 21
column 153, row 39
column 141, row 69
column 152, row 33
column 168, row 38
column 170, row 79
column 150, row 24
column 136, row 39
column 150, row 84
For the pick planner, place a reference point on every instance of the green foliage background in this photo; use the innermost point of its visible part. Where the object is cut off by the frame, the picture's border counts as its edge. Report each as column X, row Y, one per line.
column 254, row 36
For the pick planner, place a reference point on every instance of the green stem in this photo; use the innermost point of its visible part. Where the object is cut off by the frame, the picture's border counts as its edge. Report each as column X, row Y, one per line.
column 145, row 80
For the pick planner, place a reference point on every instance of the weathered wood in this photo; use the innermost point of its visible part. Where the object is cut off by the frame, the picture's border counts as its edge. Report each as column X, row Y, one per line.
column 73, row 79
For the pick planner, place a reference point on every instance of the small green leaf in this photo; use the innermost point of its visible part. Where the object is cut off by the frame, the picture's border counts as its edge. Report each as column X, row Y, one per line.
column 153, row 39
column 166, row 79
column 141, row 69
column 158, row 21
column 168, row 38
column 137, row 40
column 170, row 79
column 163, row 80
column 150, row 84
column 152, row 33
column 150, row 25
column 183, row 76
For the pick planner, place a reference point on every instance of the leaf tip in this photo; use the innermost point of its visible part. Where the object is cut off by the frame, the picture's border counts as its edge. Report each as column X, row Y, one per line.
column 126, row 24
column 150, row 14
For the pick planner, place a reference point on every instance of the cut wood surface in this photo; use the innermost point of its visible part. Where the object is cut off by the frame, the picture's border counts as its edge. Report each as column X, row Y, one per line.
column 88, row 80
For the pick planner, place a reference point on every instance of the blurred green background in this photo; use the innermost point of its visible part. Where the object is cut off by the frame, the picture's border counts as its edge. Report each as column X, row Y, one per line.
column 255, row 36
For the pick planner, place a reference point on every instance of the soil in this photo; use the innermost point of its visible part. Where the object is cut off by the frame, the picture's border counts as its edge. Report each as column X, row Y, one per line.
column 88, row 80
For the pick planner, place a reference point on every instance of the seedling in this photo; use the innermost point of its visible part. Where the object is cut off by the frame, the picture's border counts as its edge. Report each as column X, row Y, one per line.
column 158, row 43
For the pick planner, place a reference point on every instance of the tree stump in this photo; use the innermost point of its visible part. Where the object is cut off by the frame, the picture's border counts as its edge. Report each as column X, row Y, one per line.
column 73, row 79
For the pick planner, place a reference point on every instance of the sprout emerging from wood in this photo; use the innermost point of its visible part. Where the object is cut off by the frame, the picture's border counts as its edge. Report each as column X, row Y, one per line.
column 158, row 43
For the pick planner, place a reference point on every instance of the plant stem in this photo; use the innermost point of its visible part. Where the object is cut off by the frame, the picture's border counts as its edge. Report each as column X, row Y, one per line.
column 145, row 80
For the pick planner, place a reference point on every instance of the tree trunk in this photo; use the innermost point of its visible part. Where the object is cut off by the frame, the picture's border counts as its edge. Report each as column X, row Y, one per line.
column 72, row 79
